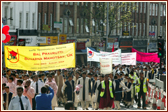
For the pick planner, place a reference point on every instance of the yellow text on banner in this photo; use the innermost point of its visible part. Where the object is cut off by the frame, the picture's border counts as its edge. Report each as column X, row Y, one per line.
column 40, row 58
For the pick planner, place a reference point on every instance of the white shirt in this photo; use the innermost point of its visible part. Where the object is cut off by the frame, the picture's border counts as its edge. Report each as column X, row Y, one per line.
column 15, row 103
column 40, row 85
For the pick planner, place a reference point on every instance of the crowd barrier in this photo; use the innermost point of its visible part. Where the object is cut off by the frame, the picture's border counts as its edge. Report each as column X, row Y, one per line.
column 157, row 96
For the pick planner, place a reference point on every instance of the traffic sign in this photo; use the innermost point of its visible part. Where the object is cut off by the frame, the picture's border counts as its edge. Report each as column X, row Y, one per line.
column 57, row 24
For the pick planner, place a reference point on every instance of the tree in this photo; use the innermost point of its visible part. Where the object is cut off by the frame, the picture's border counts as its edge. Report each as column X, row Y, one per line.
column 120, row 14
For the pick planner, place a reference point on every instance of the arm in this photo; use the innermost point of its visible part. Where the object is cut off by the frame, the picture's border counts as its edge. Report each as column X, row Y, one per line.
column 95, row 88
column 63, row 88
column 113, row 89
column 51, row 92
column 78, row 82
column 128, row 90
column 31, row 92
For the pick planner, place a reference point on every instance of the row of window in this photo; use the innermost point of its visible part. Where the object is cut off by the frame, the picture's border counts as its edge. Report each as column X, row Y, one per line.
column 154, row 9
column 71, row 3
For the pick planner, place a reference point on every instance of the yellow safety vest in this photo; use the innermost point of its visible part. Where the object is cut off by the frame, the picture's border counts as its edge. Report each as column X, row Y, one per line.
column 103, row 87
column 133, row 77
column 144, row 86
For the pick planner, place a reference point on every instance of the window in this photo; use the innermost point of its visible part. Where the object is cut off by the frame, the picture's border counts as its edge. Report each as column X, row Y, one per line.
column 61, row 3
column 150, row 9
column 65, row 25
column 86, row 3
column 129, row 26
column 153, row 11
column 27, row 19
column 137, row 7
column 160, row 30
column 61, row 29
column 125, row 26
column 11, row 16
column 164, row 10
column 77, row 3
column 93, row 22
column 156, row 9
column 77, row 29
column 33, row 18
column 140, row 7
column 6, row 12
column 70, row 25
column 81, row 25
column 155, row 31
column 132, row 29
column 150, row 28
column 71, row 3
column 86, row 26
column 136, row 29
column 144, row 7
column 45, row 19
column 125, row 6
column 93, row 4
column 143, row 29
column 66, row 3
column 50, row 22
column 140, row 29
column 39, row 20
column 121, row 6
column 161, row 10
column 20, row 20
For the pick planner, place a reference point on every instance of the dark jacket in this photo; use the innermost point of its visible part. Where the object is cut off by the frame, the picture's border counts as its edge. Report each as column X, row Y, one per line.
column 9, row 98
column 69, row 90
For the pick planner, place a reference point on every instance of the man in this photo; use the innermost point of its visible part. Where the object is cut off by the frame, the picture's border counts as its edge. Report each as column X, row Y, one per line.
column 85, row 92
column 107, row 93
column 20, row 102
column 43, row 100
column 65, row 74
column 142, row 88
column 92, row 86
column 96, row 93
column 3, row 88
column 69, row 105
column 59, row 81
column 4, row 79
column 68, row 89
column 37, row 85
column 8, row 74
column 43, row 79
column 13, row 75
column 54, row 86
column 29, row 91
column 19, row 83
column 7, row 96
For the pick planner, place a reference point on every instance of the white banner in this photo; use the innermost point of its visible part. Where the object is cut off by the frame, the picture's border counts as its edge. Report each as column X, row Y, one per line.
column 126, row 58
column 105, row 65
column 94, row 56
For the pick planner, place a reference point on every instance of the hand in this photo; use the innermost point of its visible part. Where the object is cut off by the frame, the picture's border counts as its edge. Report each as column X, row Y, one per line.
column 47, row 86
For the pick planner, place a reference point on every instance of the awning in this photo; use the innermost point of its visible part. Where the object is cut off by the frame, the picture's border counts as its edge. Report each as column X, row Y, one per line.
column 84, row 51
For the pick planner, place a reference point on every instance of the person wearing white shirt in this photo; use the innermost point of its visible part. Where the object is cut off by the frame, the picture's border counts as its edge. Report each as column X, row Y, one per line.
column 20, row 102
column 37, row 85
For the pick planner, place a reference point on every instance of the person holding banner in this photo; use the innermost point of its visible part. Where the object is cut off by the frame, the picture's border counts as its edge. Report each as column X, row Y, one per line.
column 107, row 94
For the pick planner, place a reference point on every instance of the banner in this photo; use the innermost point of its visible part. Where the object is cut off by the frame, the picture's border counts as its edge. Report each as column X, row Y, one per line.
column 94, row 56
column 40, row 58
column 126, row 58
column 146, row 57
column 105, row 65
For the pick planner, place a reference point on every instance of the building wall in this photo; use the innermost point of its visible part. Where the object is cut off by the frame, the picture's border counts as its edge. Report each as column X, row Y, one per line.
column 13, row 10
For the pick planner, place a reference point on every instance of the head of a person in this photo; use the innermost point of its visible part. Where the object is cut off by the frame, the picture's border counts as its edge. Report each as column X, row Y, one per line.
column 49, row 78
column 141, row 75
column 90, row 75
column 36, row 77
column 7, row 89
column 69, row 105
column 59, row 72
column 43, row 90
column 30, row 73
column 42, row 75
column 19, row 82
column 19, row 91
column 111, row 76
column 129, row 79
column 3, row 86
column 84, row 74
column 126, row 76
column 28, row 82
column 132, row 73
column 10, row 79
column 132, row 80
column 70, row 76
column 65, row 72
column 52, row 74
column 115, row 77
column 106, row 77
column 101, row 77
column 13, row 75
column 26, row 76
column 8, row 72
column 77, row 74
column 95, row 77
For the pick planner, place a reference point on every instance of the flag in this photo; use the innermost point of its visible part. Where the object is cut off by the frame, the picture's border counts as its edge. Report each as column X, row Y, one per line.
column 113, row 48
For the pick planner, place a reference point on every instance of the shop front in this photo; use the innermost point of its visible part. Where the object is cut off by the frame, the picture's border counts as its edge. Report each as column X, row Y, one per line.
column 126, row 44
column 152, row 47
column 140, row 45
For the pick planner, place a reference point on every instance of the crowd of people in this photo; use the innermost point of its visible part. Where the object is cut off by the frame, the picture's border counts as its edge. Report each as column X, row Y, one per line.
column 46, row 90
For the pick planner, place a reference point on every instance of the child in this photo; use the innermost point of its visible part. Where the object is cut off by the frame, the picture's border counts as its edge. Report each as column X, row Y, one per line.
column 11, row 85
column 54, row 86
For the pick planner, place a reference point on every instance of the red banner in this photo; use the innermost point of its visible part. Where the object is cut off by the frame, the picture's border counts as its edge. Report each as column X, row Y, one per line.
column 80, row 45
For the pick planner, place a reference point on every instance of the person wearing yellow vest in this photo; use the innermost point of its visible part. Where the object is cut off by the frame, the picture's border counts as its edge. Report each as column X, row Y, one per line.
column 142, row 88
column 133, row 75
column 107, row 93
